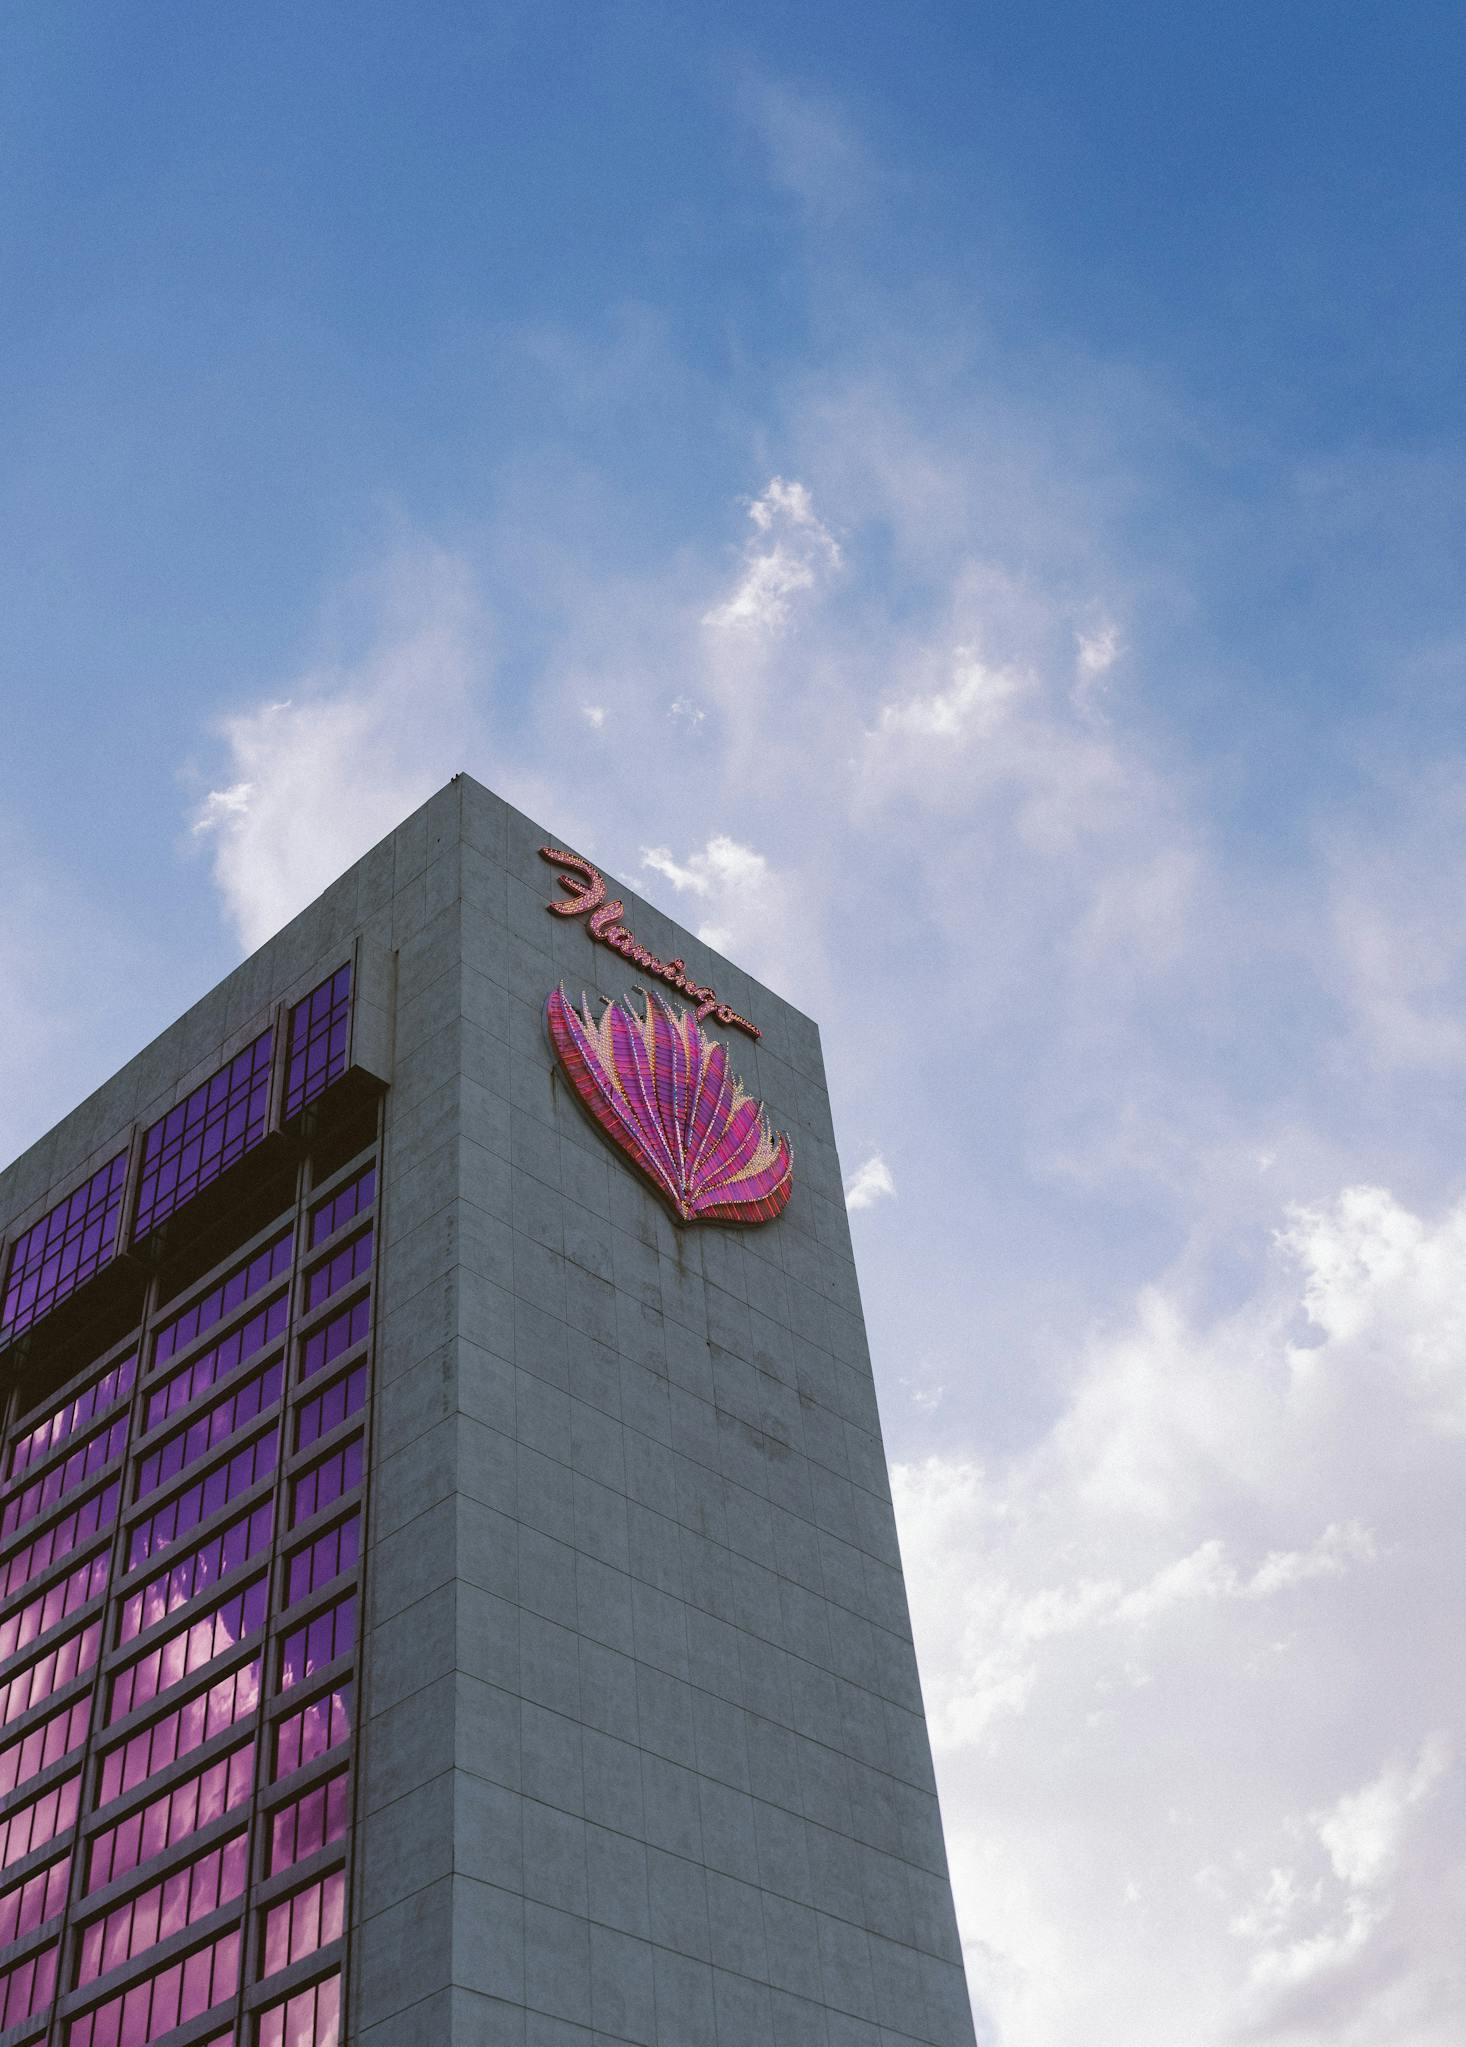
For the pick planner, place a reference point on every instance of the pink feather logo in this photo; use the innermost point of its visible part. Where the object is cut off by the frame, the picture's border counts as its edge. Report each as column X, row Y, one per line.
column 665, row 1096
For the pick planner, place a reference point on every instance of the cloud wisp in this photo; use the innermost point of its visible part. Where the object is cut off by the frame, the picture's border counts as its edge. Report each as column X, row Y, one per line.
column 1196, row 1721
column 314, row 779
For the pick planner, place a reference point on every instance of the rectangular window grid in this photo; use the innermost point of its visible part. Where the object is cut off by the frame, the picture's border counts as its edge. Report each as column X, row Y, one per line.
column 26, row 1908
column 211, row 1129
column 89, row 1456
column 25, row 1564
column 241, row 1285
column 163, row 1999
column 196, row 1570
column 27, row 1986
column 52, row 1432
column 181, row 1899
column 319, row 1029
column 67, row 1246
column 344, row 1206
column 208, row 1696
column 171, row 1817
column 311, row 2018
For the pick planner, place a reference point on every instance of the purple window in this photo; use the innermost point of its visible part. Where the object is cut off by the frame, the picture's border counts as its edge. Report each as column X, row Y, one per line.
column 27, row 1908
column 344, row 1206
column 318, row 1641
column 167, row 1998
column 206, row 1133
column 330, row 1406
column 58, row 1735
column 183, row 1387
column 304, row 1922
column 345, row 1265
column 318, row 1562
column 313, row 1731
column 222, row 1300
column 335, row 1337
column 48, row 1673
column 195, row 1571
column 311, row 2018
column 50, row 1433
column 215, row 1878
column 63, row 1478
column 197, row 1802
column 319, row 1028
column 158, row 1531
column 27, row 1986
column 21, row 1626
column 325, row 1481
column 178, row 1733
column 215, row 1425
column 58, row 1541
column 309, row 1822
column 158, row 1669
column 66, row 1247
column 32, row 1826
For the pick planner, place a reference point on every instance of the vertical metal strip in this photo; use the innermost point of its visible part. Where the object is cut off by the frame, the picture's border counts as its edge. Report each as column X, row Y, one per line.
column 248, row 1930
column 355, row 1865
column 86, row 1804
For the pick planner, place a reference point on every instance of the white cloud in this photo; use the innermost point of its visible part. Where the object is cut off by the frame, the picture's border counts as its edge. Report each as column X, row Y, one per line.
column 722, row 864
column 869, row 1183
column 974, row 701
column 687, row 711
column 594, row 716
column 789, row 550
column 1195, row 1709
column 1097, row 651
column 314, row 779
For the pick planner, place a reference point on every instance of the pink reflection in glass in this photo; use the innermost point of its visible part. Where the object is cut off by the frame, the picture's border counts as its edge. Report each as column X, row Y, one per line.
column 303, row 1736
column 187, row 1895
column 40, row 1746
column 194, row 1572
column 178, row 1733
column 58, row 1541
column 309, row 1822
column 197, row 1802
column 169, row 1662
column 311, row 2018
column 28, row 1907
column 48, row 1673
column 50, row 1433
column 63, row 1478
column 23, row 1624
column 167, row 1524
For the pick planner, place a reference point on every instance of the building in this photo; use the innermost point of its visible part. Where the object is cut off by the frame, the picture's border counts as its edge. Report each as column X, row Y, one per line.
column 445, row 1596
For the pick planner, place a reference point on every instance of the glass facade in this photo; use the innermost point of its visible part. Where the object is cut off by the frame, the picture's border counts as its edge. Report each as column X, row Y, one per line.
column 320, row 1031
column 180, row 1534
column 64, row 1249
column 208, row 1131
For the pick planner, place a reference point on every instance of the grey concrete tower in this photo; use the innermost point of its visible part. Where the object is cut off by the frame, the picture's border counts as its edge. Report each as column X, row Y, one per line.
column 639, row 1753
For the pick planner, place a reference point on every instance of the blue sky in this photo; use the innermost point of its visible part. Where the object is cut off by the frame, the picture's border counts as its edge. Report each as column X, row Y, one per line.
column 966, row 505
